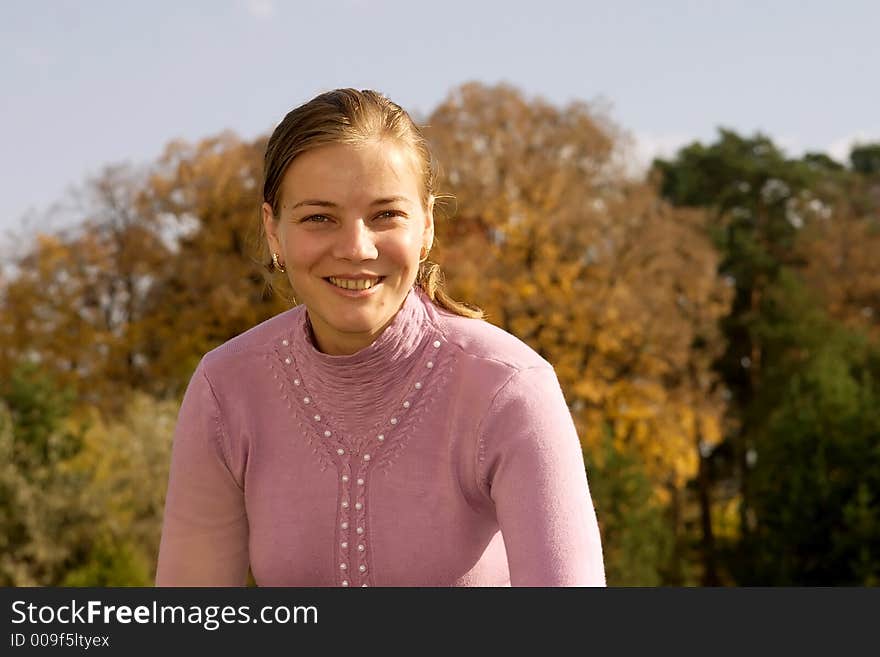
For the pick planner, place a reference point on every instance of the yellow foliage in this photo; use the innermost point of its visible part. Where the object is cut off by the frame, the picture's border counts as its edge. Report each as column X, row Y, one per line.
column 590, row 272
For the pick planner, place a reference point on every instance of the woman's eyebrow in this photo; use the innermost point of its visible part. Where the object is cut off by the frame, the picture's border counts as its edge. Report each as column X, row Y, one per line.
column 312, row 201
column 331, row 204
column 390, row 199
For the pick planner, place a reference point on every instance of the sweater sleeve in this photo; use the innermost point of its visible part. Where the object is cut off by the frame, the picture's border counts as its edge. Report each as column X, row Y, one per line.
column 205, row 531
column 532, row 467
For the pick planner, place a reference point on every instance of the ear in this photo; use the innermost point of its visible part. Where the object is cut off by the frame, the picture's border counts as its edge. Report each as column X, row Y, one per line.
column 428, row 234
column 270, row 224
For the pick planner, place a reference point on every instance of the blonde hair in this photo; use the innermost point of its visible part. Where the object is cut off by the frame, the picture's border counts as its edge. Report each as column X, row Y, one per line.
column 349, row 116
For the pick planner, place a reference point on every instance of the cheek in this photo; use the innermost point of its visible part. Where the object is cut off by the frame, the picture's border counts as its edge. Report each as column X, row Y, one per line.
column 303, row 252
column 403, row 251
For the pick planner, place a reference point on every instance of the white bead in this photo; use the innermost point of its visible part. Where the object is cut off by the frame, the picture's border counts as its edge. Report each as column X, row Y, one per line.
column 345, row 582
column 317, row 418
column 344, row 544
column 327, row 434
column 436, row 343
column 360, row 482
column 366, row 457
column 296, row 382
column 285, row 342
column 361, row 548
column 430, row 364
column 358, row 506
column 360, row 530
column 363, row 586
column 340, row 451
column 362, row 568
column 344, row 479
column 381, row 437
column 418, row 385
column 287, row 361
column 343, row 566
column 394, row 420
column 306, row 400
column 345, row 504
column 406, row 404
column 344, row 525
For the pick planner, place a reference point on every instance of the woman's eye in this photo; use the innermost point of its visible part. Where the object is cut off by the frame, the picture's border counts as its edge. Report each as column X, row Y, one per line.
column 387, row 214
column 315, row 219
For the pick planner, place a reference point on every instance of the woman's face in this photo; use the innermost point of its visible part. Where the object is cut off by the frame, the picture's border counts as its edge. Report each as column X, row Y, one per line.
column 350, row 214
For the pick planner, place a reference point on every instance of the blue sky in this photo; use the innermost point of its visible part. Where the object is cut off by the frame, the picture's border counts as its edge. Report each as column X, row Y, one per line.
column 90, row 83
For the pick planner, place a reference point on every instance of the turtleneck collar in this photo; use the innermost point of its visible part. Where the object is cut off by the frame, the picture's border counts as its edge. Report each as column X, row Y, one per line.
column 366, row 381
column 397, row 342
column 358, row 394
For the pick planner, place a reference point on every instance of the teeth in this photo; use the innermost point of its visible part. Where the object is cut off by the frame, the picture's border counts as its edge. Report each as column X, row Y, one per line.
column 364, row 284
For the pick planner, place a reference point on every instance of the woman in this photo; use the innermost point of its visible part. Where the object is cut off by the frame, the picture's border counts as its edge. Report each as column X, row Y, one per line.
column 380, row 433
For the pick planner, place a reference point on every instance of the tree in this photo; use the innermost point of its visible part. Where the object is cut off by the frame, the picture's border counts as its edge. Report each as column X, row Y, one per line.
column 784, row 227
column 865, row 159
column 815, row 479
column 637, row 539
column 78, row 301
column 837, row 250
column 43, row 527
column 612, row 286
column 127, row 460
column 747, row 185
column 212, row 287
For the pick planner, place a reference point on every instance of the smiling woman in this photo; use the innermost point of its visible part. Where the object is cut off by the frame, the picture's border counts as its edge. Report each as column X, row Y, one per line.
column 351, row 224
column 380, row 433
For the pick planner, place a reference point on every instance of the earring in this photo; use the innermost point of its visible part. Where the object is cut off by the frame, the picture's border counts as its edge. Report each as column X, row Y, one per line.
column 277, row 265
column 423, row 257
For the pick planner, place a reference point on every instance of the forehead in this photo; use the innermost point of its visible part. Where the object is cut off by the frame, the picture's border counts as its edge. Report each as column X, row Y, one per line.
column 346, row 173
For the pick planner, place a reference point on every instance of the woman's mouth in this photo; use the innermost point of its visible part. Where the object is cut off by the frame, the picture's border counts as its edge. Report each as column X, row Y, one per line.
column 354, row 283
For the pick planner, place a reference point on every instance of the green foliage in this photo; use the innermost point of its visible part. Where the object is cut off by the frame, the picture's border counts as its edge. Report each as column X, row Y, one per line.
column 637, row 539
column 750, row 184
column 866, row 159
column 36, row 411
column 109, row 564
column 804, row 396
column 822, row 162
column 724, row 174
column 83, row 506
column 128, row 460
column 43, row 526
column 816, row 481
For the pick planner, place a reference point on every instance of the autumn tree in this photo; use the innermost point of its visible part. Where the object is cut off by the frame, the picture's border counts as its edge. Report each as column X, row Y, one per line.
column 212, row 286
column 161, row 268
column 838, row 246
column 77, row 302
column 612, row 286
column 127, row 462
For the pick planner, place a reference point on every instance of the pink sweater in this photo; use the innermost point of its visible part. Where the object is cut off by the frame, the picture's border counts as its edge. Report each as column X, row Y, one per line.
column 443, row 454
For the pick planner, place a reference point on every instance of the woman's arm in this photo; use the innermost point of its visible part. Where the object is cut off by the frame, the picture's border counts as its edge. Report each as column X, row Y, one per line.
column 205, row 530
column 532, row 467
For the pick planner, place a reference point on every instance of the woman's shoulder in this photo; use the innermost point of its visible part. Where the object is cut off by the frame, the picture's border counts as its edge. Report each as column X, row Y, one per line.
column 264, row 337
column 484, row 342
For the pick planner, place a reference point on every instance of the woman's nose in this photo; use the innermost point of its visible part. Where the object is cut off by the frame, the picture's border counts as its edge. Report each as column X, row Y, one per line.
column 356, row 242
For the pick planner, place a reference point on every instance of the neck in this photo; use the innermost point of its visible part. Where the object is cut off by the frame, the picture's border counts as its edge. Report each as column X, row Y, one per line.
column 363, row 386
column 333, row 343
column 347, row 358
column 345, row 344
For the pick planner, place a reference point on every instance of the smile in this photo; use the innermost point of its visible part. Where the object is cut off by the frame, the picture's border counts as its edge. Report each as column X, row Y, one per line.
column 354, row 284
